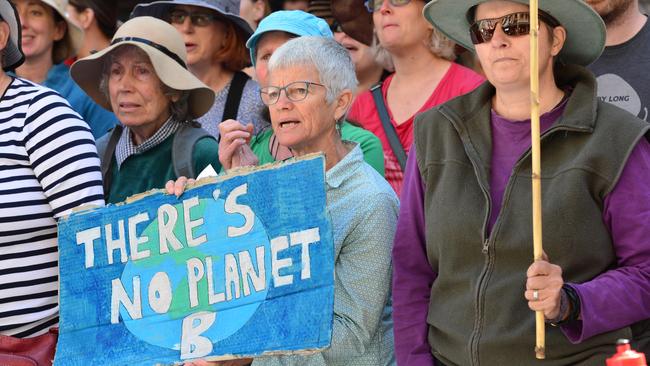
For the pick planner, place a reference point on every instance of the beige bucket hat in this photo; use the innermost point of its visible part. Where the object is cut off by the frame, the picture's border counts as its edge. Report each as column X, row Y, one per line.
column 166, row 50
column 73, row 38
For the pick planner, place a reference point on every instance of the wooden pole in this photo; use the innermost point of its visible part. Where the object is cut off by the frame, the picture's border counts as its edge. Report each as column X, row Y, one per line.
column 540, row 348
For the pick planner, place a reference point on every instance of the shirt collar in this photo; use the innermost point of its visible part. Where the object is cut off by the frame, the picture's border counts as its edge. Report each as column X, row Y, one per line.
column 125, row 146
column 344, row 168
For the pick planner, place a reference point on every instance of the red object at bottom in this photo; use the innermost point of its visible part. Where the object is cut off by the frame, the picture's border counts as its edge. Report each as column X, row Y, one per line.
column 36, row 351
column 626, row 356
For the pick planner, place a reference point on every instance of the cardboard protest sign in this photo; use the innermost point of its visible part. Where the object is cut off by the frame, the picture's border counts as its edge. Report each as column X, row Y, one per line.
column 241, row 267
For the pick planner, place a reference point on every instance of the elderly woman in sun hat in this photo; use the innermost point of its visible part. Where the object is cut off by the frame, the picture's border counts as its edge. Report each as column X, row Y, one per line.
column 464, row 285
column 274, row 31
column 215, row 37
column 48, row 167
column 143, row 78
column 49, row 38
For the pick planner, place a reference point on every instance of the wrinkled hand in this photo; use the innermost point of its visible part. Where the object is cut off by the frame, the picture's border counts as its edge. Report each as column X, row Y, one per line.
column 233, row 147
column 178, row 187
column 546, row 279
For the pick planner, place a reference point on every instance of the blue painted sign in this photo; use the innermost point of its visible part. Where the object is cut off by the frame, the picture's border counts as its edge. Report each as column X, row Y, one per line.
column 239, row 267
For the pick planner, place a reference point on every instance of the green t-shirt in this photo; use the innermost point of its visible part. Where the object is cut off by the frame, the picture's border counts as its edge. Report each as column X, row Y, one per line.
column 370, row 144
column 153, row 168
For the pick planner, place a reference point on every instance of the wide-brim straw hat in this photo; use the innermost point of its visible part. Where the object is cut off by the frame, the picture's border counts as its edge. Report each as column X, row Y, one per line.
column 74, row 36
column 13, row 54
column 166, row 50
column 229, row 9
column 585, row 29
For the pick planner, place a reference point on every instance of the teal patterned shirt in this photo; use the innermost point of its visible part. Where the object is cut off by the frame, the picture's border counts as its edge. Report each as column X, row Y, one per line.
column 363, row 209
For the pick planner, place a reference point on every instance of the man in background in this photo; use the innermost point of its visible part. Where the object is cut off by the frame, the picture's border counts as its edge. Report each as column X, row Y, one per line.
column 622, row 69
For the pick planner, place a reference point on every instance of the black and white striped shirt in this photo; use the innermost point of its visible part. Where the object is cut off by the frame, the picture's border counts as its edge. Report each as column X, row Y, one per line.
column 48, row 166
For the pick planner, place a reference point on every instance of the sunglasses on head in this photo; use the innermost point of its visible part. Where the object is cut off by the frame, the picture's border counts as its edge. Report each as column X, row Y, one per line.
column 374, row 5
column 515, row 24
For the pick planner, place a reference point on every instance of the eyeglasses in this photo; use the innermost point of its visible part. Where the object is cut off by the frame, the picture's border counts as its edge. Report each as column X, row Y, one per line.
column 375, row 5
column 515, row 24
column 197, row 19
column 296, row 91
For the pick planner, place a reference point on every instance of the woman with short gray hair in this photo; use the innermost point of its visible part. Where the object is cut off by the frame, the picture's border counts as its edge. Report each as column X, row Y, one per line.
column 143, row 78
column 308, row 95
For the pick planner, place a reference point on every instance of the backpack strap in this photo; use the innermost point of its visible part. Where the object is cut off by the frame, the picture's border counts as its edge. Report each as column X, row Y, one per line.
column 106, row 149
column 234, row 95
column 185, row 138
column 389, row 129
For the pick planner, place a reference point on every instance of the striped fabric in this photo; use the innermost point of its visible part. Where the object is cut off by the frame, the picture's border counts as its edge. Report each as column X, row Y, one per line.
column 48, row 165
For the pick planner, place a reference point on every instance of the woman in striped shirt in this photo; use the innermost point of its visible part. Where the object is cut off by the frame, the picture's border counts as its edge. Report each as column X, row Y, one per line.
column 48, row 166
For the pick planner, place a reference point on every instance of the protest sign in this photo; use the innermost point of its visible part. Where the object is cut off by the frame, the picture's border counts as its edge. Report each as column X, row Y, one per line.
column 239, row 267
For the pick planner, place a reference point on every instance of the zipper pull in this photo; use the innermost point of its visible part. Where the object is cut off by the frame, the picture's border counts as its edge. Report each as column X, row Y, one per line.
column 486, row 246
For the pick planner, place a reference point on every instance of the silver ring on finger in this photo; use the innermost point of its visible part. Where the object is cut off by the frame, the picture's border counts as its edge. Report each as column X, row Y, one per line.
column 535, row 295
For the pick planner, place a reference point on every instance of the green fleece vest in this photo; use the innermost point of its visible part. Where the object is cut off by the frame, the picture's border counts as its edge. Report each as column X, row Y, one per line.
column 477, row 311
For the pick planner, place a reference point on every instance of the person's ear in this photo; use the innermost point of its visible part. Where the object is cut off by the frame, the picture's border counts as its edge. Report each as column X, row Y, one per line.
column 175, row 97
column 4, row 35
column 559, row 37
column 86, row 18
column 343, row 103
column 259, row 8
column 59, row 30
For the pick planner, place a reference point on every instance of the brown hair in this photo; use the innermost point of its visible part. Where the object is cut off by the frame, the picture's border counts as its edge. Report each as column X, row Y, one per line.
column 105, row 14
column 234, row 55
column 62, row 48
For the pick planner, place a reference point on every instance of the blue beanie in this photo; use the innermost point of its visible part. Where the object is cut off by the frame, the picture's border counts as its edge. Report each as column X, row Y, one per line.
column 291, row 21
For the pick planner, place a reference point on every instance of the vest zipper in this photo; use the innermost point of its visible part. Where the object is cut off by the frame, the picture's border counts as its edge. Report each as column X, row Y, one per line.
column 478, row 314
column 485, row 249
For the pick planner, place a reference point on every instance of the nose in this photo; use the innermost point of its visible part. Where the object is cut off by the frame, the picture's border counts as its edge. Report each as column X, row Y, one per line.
column 339, row 36
column 186, row 26
column 22, row 15
column 385, row 7
column 283, row 103
column 499, row 38
column 125, row 82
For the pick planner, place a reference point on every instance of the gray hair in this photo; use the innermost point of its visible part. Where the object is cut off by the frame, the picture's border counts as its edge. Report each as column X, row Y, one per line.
column 438, row 44
column 179, row 110
column 331, row 60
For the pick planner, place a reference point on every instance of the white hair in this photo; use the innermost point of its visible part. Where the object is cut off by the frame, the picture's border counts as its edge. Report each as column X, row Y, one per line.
column 331, row 60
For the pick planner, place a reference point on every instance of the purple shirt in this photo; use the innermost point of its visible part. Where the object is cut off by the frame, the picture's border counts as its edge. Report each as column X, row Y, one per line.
column 626, row 214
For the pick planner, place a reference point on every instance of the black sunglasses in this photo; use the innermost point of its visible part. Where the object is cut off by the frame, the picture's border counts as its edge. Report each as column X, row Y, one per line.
column 515, row 24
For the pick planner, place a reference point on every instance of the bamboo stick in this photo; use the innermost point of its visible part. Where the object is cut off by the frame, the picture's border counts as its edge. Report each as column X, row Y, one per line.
column 540, row 348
